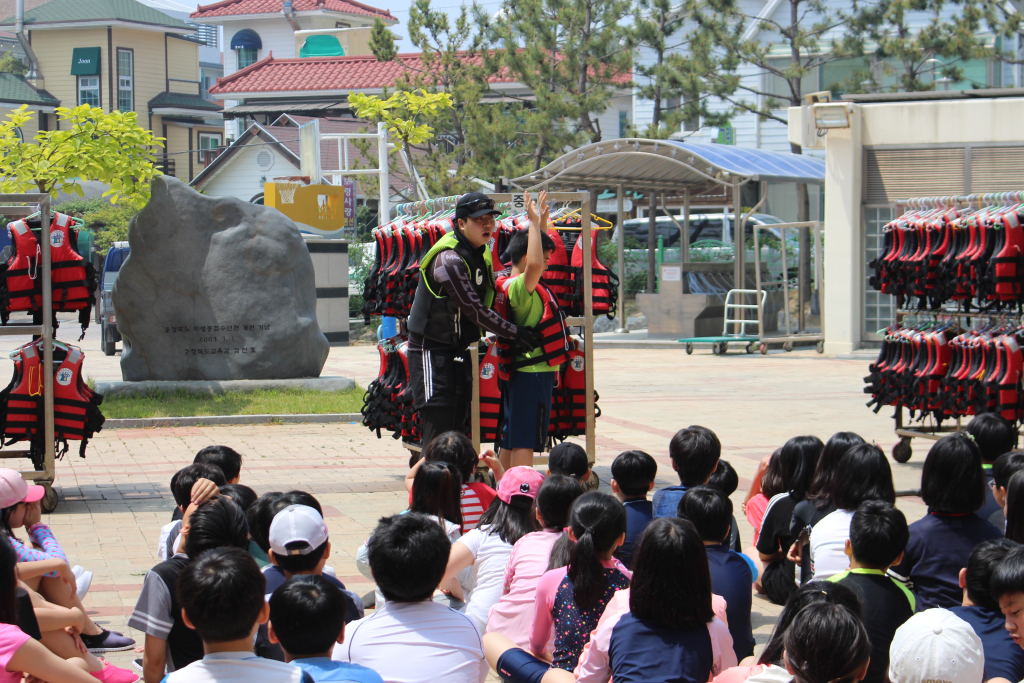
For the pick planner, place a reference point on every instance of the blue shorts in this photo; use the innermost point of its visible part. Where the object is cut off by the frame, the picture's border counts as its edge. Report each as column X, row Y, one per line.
column 519, row 666
column 528, row 410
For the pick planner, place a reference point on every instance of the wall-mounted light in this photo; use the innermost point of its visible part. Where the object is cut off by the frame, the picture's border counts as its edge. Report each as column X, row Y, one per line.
column 831, row 115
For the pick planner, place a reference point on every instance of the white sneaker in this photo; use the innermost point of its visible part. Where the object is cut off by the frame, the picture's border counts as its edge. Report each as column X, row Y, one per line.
column 77, row 570
column 84, row 581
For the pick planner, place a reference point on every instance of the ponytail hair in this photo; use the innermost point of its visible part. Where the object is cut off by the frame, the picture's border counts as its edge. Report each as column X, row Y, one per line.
column 597, row 520
column 437, row 491
column 826, row 644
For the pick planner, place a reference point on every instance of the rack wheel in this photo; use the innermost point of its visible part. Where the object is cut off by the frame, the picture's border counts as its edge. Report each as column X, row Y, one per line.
column 750, row 347
column 716, row 349
column 764, row 349
column 689, row 349
column 820, row 347
column 902, row 451
column 593, row 483
column 788, row 346
column 49, row 502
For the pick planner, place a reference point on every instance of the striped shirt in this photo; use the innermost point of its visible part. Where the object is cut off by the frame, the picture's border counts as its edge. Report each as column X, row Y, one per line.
column 44, row 538
column 476, row 498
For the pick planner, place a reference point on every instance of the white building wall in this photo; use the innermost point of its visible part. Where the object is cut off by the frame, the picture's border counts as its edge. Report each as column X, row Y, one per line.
column 240, row 177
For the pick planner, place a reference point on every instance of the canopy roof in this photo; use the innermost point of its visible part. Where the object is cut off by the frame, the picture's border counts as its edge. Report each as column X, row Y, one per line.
column 671, row 165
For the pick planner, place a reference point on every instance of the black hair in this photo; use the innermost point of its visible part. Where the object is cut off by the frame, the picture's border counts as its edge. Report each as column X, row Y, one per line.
column 993, row 435
column 260, row 514
column 510, row 521
column 222, row 593
column 185, row 478
column 454, row 448
column 243, row 496
column 724, row 478
column 862, row 473
column 519, row 243
column 308, row 614
column 952, row 480
column 1008, row 576
column 1015, row 508
column 568, row 458
column 807, row 594
column 408, row 555
column 694, row 450
column 878, row 534
column 555, row 498
column 8, row 583
column 792, row 470
column 835, row 447
column 437, row 490
column 827, row 644
column 634, row 471
column 597, row 520
column 671, row 585
column 981, row 565
column 216, row 523
column 709, row 510
column 226, row 458
column 296, row 564
column 1005, row 466
column 301, row 498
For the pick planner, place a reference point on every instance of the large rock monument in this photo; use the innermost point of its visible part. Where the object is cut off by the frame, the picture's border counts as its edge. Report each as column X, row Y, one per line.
column 216, row 289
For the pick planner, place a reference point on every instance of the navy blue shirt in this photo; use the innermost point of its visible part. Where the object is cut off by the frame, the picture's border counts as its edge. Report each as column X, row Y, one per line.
column 639, row 513
column 938, row 549
column 731, row 578
column 640, row 652
column 666, row 500
column 1003, row 657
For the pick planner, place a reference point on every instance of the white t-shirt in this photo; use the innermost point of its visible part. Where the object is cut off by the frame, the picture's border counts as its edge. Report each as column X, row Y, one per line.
column 237, row 667
column 163, row 547
column 491, row 555
column 416, row 642
column 828, row 544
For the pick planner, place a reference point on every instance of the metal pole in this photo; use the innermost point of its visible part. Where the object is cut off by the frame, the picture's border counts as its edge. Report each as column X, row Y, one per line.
column 757, row 283
column 474, row 411
column 44, row 241
column 383, row 207
column 588, row 327
column 785, row 283
column 739, row 247
column 622, row 263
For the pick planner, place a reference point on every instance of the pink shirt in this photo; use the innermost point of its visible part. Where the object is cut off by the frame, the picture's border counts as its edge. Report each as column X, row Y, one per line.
column 513, row 613
column 739, row 674
column 595, row 666
column 11, row 639
column 756, row 508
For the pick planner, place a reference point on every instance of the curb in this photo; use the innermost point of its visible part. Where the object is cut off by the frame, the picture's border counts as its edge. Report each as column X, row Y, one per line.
column 216, row 387
column 212, row 420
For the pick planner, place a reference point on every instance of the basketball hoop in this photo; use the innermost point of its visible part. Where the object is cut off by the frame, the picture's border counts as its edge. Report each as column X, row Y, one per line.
column 287, row 185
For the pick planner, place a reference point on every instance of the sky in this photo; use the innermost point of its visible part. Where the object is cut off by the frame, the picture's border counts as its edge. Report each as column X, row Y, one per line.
column 399, row 8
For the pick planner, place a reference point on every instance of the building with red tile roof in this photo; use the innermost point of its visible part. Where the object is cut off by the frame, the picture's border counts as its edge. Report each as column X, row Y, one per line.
column 241, row 8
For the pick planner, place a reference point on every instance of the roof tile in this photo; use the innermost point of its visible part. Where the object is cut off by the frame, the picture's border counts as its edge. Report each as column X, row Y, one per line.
column 234, row 7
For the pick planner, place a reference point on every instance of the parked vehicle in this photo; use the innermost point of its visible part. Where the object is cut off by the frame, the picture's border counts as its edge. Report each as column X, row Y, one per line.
column 116, row 257
column 703, row 226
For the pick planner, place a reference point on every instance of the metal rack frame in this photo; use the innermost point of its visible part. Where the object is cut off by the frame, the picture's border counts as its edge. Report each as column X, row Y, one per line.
column 28, row 204
column 790, row 337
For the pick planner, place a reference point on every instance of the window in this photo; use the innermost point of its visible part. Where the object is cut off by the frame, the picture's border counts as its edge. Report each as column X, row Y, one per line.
column 125, row 80
column 89, row 90
column 205, row 33
column 879, row 309
column 209, row 147
column 247, row 56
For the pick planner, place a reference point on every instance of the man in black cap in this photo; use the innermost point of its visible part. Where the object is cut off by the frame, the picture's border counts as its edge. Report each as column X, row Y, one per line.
column 451, row 309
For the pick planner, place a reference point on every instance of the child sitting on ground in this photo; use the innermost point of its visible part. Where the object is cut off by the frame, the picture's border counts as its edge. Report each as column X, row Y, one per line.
column 571, row 460
column 633, row 474
column 571, row 598
column 487, row 548
column 1007, row 589
column 528, row 562
column 878, row 536
column 828, row 644
column 1003, row 657
column 182, row 483
column 1005, row 466
column 259, row 515
column 227, row 459
column 456, row 449
column 221, row 594
column 725, row 479
column 694, row 452
column 412, row 638
column 709, row 511
column 306, row 620
column 936, row 645
column 994, row 436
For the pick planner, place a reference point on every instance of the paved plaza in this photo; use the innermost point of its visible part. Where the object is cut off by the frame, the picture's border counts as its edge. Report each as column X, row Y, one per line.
column 113, row 503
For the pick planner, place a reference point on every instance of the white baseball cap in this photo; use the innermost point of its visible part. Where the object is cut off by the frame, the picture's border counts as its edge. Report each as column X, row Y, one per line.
column 297, row 524
column 936, row 646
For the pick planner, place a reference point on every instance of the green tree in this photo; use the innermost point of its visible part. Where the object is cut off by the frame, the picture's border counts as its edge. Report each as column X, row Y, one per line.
column 90, row 145
column 10, row 64
column 382, row 42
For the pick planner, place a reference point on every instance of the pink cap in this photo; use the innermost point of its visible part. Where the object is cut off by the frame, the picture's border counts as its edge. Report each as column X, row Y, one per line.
column 519, row 481
column 14, row 489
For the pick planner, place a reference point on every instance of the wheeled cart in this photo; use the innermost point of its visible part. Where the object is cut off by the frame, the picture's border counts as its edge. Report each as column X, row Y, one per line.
column 720, row 345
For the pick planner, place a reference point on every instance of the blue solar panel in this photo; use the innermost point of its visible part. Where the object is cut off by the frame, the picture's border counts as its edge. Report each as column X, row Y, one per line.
column 764, row 165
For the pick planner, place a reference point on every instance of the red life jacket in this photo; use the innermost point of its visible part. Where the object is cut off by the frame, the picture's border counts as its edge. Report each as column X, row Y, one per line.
column 555, row 340
column 604, row 282
column 559, row 274
column 22, row 399
column 573, row 395
column 492, row 411
column 72, row 290
column 22, row 289
column 1007, row 262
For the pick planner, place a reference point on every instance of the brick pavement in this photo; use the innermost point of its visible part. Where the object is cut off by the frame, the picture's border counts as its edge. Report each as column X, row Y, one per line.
column 113, row 503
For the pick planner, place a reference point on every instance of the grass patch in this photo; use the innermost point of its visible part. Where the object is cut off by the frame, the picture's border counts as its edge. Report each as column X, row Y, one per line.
column 271, row 401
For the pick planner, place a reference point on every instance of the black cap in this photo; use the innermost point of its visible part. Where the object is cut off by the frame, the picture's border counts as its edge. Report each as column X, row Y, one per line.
column 569, row 459
column 474, row 205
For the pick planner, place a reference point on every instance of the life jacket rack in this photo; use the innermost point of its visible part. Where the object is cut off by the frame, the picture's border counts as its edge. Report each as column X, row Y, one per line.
column 42, row 457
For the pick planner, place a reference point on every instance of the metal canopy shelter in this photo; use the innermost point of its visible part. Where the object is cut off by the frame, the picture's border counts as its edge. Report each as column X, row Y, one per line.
column 673, row 166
